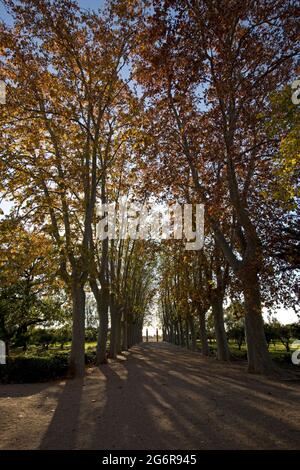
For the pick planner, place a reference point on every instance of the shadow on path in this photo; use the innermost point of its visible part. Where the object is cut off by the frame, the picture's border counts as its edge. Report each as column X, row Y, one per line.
column 162, row 397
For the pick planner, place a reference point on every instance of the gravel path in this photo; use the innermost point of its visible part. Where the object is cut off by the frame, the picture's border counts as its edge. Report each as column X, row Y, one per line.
column 157, row 396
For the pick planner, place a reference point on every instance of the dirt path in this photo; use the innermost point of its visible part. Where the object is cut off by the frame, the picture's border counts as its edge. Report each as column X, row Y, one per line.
column 155, row 397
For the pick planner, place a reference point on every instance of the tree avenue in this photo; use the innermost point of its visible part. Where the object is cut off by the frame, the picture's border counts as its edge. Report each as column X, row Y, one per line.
column 176, row 101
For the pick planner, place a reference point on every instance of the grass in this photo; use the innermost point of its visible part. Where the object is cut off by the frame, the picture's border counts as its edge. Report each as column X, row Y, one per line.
column 52, row 349
column 277, row 350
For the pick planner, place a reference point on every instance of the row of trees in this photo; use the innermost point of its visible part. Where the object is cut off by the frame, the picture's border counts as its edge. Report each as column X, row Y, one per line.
column 194, row 291
column 35, row 308
column 170, row 98
column 66, row 143
column 208, row 69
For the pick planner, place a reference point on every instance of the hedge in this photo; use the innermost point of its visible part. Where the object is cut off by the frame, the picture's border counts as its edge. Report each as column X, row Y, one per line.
column 30, row 369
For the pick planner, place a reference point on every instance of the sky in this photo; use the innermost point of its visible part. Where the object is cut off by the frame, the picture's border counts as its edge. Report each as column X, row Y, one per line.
column 283, row 315
column 92, row 4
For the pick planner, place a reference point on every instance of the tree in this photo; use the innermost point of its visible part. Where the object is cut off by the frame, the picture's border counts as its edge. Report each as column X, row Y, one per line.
column 193, row 52
column 42, row 337
column 30, row 294
column 132, row 264
column 283, row 121
column 235, row 323
column 63, row 66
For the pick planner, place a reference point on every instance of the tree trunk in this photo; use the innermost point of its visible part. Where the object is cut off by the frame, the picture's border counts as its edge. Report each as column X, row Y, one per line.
column 7, row 346
column 193, row 334
column 223, row 353
column 176, row 333
column 125, row 336
column 103, row 328
column 129, row 332
column 113, row 333
column 187, row 334
column 182, row 342
column 203, row 335
column 77, row 356
column 118, row 339
column 259, row 360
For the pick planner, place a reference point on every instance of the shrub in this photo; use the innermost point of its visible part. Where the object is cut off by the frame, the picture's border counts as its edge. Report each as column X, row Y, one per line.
column 42, row 337
column 91, row 334
column 30, row 369
column 63, row 335
column 90, row 357
column 22, row 369
column 237, row 334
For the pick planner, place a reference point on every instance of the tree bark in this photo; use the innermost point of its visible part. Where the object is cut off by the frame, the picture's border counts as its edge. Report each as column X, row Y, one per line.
column 103, row 329
column 102, row 300
column 187, row 334
column 259, row 360
column 203, row 335
column 176, row 333
column 223, row 353
column 119, row 338
column 77, row 356
column 113, row 333
column 125, row 336
column 129, row 332
column 182, row 342
column 193, row 334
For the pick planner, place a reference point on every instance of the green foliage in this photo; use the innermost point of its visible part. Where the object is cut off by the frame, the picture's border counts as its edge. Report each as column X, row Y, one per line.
column 237, row 333
column 275, row 332
column 42, row 337
column 234, row 321
column 271, row 333
column 91, row 334
column 285, row 123
column 30, row 292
